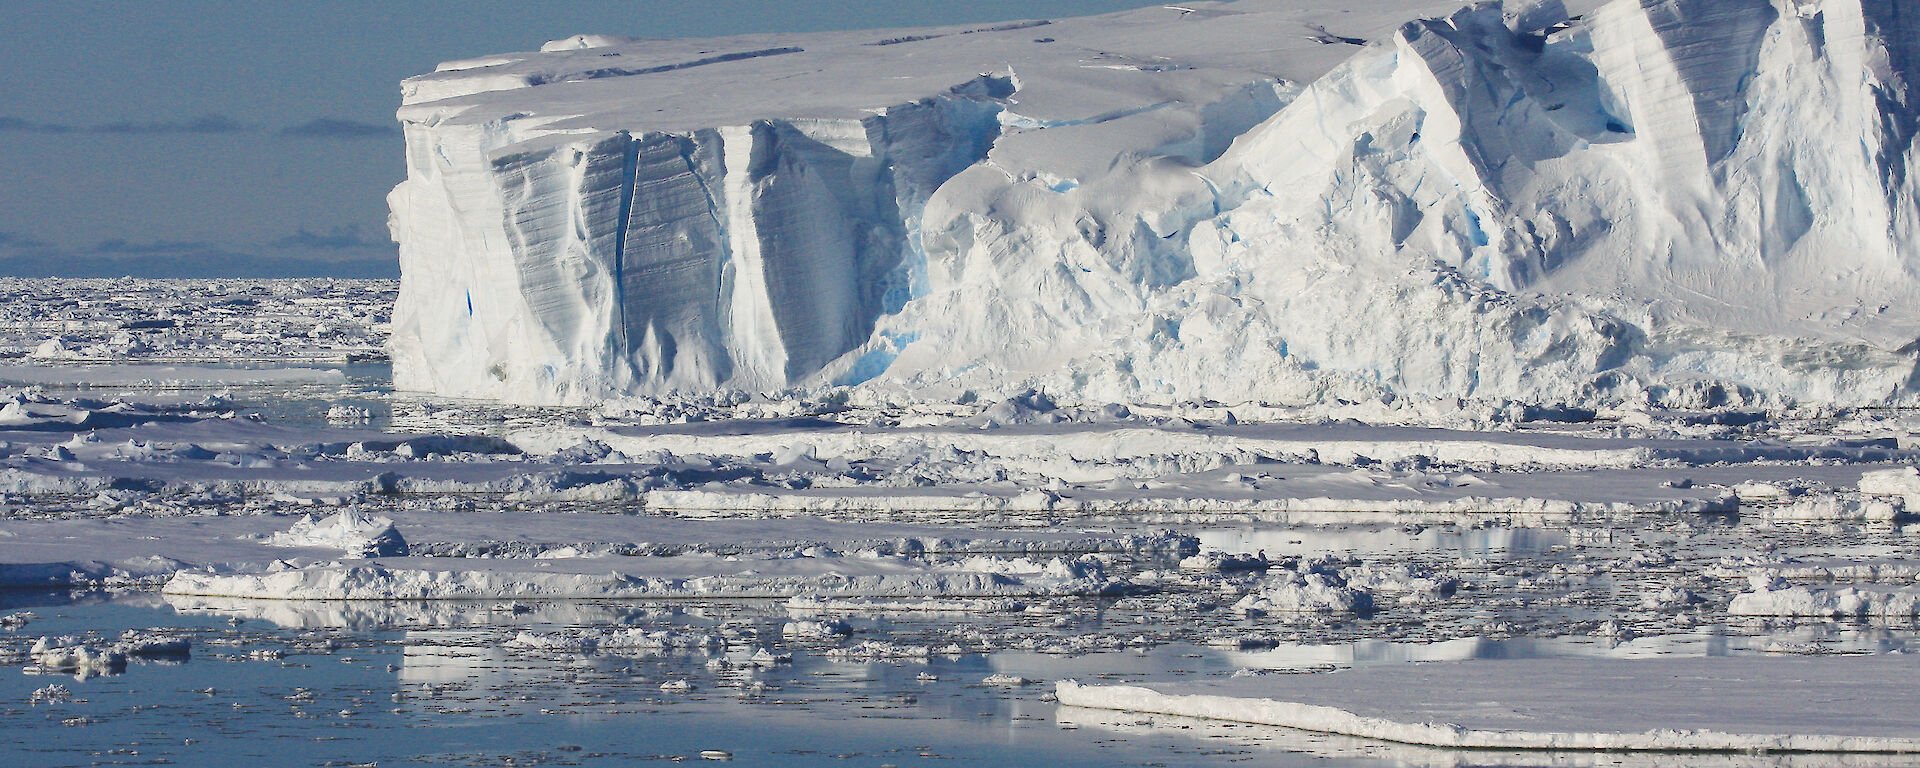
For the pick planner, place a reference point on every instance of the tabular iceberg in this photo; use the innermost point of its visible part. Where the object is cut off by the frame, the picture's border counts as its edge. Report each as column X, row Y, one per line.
column 1677, row 202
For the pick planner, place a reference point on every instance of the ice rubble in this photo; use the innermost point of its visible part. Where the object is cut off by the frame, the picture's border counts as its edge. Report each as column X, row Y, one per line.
column 66, row 653
column 1324, row 585
column 70, row 654
column 632, row 578
column 356, row 534
column 665, row 554
column 1686, row 203
column 1837, row 602
column 1773, row 595
column 173, row 329
column 1309, row 592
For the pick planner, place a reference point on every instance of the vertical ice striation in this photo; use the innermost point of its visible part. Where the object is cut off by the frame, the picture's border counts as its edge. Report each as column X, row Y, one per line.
column 562, row 266
column 1673, row 201
column 670, row 264
column 1668, row 192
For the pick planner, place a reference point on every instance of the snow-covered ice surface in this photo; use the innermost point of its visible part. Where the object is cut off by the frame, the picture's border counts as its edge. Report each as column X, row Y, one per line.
column 1686, row 203
column 714, row 558
column 1270, row 350
column 138, row 323
column 1855, row 704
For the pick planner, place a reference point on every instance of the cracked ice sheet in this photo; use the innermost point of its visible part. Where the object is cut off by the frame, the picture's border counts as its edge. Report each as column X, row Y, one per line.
column 1712, row 703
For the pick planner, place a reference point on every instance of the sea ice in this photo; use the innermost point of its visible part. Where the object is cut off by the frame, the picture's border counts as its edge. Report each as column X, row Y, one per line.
column 1854, row 704
column 1775, row 597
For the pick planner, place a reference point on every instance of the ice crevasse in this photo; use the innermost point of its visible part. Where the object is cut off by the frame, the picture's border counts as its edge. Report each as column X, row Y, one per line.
column 1678, row 202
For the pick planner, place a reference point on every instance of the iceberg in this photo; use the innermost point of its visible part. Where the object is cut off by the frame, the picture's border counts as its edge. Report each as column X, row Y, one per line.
column 1670, row 203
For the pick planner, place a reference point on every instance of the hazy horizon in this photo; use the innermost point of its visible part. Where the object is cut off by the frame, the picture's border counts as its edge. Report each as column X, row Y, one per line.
column 222, row 139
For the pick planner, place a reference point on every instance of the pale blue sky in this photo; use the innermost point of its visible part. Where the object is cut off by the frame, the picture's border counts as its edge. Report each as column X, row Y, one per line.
column 193, row 137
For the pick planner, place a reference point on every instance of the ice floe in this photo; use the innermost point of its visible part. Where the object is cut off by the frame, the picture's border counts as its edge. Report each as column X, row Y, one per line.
column 1672, row 705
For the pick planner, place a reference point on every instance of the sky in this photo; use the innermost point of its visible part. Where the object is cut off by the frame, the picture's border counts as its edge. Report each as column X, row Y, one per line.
column 215, row 138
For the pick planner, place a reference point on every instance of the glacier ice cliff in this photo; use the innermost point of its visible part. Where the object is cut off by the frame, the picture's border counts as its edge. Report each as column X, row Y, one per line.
column 1685, row 203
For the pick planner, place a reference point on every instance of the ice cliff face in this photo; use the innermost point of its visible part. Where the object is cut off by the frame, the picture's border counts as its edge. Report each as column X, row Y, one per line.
column 1684, row 202
column 596, row 263
column 1665, row 193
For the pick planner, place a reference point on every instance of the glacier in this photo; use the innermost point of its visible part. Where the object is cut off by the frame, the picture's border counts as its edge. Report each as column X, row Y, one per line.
column 1637, row 203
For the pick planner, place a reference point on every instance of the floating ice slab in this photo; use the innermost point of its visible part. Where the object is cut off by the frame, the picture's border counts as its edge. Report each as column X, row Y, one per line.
column 1854, row 704
column 1863, row 601
column 1336, row 748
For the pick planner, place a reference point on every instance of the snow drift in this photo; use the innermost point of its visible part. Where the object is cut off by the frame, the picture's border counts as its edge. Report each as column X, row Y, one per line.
column 1677, row 202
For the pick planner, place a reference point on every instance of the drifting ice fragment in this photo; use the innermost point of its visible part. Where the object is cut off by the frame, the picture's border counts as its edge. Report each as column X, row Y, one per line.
column 358, row 534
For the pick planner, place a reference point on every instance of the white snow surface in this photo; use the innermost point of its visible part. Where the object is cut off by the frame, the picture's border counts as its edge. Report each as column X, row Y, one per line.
column 1689, row 203
column 975, row 533
column 356, row 534
column 1782, row 599
column 1857, row 704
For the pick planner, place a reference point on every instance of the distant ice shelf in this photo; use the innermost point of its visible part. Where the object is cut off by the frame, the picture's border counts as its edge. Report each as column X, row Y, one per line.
column 1684, row 203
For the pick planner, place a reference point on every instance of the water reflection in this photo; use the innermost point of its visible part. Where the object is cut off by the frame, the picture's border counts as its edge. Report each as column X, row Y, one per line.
column 533, row 680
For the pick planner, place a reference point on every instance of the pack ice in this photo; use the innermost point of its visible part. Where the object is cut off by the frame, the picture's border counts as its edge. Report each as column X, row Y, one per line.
column 1668, row 202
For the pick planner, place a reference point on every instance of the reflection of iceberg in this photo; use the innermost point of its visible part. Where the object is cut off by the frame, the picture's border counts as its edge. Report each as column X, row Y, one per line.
column 474, row 658
column 455, row 671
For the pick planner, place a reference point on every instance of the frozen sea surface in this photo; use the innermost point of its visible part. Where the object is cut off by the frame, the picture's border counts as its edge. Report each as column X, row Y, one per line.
column 857, row 583
column 413, row 691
